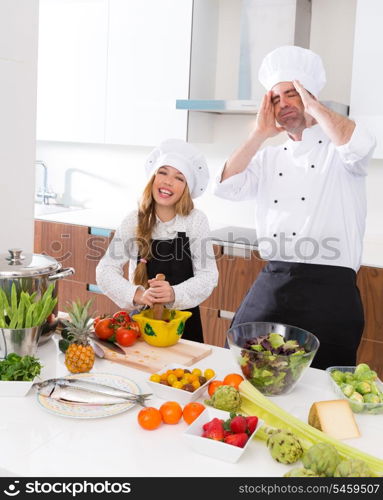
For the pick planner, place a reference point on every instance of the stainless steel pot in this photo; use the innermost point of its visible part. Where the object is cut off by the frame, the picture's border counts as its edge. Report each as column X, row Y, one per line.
column 31, row 273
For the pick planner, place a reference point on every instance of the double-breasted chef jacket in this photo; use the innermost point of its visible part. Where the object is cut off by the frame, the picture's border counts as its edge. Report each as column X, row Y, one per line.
column 310, row 211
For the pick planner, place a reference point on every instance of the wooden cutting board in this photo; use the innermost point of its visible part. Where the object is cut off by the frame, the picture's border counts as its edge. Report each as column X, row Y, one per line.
column 147, row 358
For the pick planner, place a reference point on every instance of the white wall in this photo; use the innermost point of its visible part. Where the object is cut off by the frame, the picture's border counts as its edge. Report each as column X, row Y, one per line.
column 18, row 74
column 331, row 36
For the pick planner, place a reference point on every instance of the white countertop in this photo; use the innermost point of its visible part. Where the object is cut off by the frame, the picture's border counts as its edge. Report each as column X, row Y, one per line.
column 372, row 250
column 37, row 443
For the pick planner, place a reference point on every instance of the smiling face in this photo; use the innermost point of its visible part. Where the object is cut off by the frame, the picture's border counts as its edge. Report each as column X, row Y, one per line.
column 168, row 186
column 288, row 107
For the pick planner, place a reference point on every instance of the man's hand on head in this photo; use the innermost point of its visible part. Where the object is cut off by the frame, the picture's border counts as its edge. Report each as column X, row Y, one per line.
column 266, row 126
column 309, row 101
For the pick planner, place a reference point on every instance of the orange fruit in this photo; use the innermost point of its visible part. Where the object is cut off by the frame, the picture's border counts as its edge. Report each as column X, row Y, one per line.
column 233, row 379
column 171, row 412
column 149, row 418
column 213, row 386
column 192, row 411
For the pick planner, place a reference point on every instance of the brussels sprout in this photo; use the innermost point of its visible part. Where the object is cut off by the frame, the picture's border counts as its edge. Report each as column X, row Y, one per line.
column 347, row 390
column 337, row 376
column 356, row 402
column 371, row 398
column 363, row 388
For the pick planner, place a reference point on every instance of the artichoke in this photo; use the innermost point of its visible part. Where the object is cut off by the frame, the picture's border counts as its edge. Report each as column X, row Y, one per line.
column 321, row 458
column 284, row 447
column 353, row 468
column 225, row 398
column 301, row 472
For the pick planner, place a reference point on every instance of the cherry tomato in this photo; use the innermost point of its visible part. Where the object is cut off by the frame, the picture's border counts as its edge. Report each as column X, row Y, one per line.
column 104, row 328
column 121, row 318
column 133, row 325
column 125, row 336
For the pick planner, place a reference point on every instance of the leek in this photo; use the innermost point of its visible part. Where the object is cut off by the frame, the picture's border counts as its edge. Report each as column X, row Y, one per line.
column 255, row 403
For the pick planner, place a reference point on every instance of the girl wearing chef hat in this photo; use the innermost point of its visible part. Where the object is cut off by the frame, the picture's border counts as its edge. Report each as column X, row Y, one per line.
column 165, row 235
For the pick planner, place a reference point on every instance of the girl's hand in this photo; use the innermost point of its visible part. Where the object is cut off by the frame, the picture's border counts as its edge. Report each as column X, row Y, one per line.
column 143, row 297
column 160, row 291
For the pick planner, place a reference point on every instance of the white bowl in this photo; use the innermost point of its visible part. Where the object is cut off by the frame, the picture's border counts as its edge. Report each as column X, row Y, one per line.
column 171, row 393
column 209, row 447
column 16, row 388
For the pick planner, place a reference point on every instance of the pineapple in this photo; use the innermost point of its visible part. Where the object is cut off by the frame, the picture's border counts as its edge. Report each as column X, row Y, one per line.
column 79, row 356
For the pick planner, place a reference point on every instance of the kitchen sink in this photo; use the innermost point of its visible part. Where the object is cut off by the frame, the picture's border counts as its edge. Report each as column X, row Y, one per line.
column 41, row 209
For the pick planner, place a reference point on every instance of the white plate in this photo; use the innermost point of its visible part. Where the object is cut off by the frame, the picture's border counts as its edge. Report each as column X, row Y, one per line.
column 209, row 447
column 76, row 410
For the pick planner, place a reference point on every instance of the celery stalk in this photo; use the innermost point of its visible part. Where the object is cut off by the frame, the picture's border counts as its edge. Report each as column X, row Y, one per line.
column 255, row 403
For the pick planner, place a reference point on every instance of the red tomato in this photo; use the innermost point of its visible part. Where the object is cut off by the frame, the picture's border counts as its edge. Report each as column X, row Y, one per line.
column 104, row 328
column 121, row 318
column 125, row 336
column 98, row 319
column 133, row 325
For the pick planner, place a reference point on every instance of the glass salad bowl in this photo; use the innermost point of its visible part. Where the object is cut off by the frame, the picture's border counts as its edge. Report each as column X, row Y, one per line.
column 272, row 356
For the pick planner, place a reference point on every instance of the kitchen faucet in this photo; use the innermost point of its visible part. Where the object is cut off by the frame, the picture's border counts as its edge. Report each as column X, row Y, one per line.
column 44, row 193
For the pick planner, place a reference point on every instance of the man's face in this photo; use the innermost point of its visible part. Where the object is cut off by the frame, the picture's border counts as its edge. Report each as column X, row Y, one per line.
column 288, row 106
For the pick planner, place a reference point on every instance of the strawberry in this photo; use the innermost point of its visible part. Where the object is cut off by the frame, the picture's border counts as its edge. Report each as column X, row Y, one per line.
column 214, row 430
column 238, row 425
column 226, row 433
column 252, row 423
column 237, row 439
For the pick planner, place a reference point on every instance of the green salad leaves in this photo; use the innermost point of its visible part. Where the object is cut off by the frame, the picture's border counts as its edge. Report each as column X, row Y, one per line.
column 15, row 367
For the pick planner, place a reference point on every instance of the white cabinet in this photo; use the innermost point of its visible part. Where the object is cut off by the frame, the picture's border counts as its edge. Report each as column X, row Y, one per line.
column 110, row 71
column 148, row 69
column 366, row 103
column 72, row 70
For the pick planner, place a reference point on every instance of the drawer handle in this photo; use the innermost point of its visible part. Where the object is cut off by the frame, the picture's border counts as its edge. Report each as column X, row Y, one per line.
column 225, row 314
column 98, row 231
column 94, row 289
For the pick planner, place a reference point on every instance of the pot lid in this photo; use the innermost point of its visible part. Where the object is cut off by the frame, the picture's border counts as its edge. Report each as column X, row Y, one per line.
column 17, row 264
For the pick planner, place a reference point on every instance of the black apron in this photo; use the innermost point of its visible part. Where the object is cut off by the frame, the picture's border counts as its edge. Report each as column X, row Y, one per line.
column 173, row 259
column 321, row 299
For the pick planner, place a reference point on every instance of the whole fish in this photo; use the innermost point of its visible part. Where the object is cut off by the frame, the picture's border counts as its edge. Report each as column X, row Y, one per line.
column 87, row 392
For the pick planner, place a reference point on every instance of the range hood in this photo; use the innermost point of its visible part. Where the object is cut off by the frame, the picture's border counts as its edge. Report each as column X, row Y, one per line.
column 261, row 25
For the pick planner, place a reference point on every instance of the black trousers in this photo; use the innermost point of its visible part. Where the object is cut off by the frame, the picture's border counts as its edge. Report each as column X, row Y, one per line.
column 321, row 299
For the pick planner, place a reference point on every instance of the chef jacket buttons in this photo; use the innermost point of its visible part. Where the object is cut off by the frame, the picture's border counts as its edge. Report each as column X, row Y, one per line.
column 285, row 149
column 275, row 201
column 294, row 234
column 312, row 166
column 280, row 173
column 320, row 142
column 303, row 198
column 275, row 235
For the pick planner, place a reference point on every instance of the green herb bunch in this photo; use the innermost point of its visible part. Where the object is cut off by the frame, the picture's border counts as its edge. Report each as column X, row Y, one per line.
column 25, row 311
column 15, row 367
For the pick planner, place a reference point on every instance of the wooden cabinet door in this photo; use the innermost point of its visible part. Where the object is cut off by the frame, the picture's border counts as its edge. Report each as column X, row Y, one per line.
column 370, row 283
column 236, row 275
column 214, row 327
column 71, row 290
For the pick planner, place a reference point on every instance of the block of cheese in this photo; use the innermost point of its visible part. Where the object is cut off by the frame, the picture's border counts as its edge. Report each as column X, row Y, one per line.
column 335, row 418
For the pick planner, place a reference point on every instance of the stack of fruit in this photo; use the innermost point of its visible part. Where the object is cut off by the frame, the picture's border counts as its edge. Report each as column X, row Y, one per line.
column 182, row 378
column 118, row 328
column 235, row 431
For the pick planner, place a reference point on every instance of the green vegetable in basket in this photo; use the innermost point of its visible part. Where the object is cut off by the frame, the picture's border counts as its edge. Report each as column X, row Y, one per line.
column 24, row 310
column 21, row 368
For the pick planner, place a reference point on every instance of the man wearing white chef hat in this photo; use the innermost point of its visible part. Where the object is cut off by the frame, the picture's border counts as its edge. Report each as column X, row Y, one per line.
column 310, row 207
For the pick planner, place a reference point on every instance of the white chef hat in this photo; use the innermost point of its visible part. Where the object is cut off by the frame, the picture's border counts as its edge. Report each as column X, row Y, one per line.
column 291, row 62
column 185, row 158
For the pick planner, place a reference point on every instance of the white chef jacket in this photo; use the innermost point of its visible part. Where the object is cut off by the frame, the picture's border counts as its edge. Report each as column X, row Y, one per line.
column 310, row 198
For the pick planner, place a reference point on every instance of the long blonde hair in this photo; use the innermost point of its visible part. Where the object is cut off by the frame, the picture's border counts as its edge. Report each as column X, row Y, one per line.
column 146, row 223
